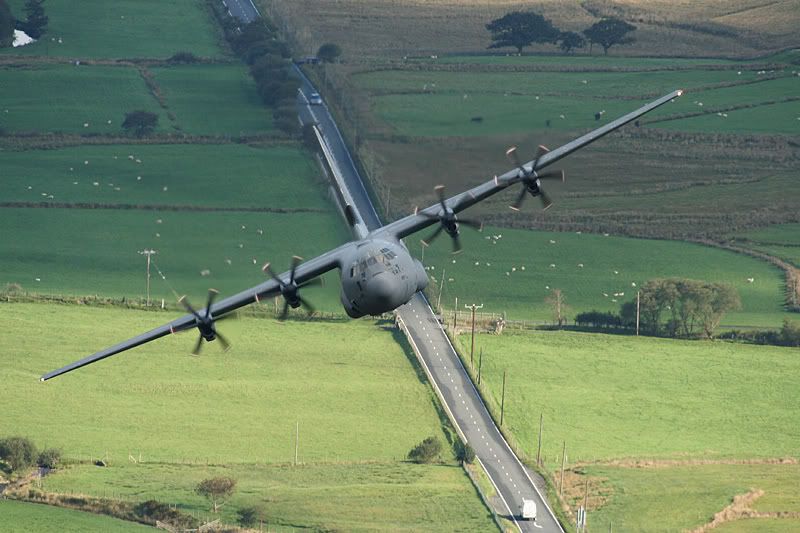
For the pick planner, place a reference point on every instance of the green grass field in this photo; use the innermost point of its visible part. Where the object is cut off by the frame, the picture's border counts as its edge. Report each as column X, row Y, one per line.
column 226, row 102
column 82, row 252
column 436, row 103
column 350, row 497
column 359, row 402
column 500, row 283
column 197, row 175
column 19, row 517
column 684, row 497
column 133, row 29
column 781, row 240
column 348, row 384
column 73, row 99
column 613, row 397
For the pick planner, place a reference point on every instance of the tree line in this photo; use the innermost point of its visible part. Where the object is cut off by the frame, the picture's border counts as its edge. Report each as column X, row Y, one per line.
column 519, row 29
column 672, row 307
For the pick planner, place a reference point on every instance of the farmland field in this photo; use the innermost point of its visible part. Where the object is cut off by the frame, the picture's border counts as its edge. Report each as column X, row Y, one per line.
column 781, row 241
column 230, row 176
column 178, row 414
column 664, row 431
column 132, row 29
column 19, row 517
column 517, row 269
column 352, row 497
column 225, row 103
column 87, row 99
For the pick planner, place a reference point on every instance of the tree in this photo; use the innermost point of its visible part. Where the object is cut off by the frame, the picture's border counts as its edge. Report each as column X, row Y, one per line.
column 610, row 31
column 329, row 52
column 35, row 24
column 426, row 451
column 571, row 40
column 558, row 304
column 7, row 21
column 721, row 298
column 49, row 458
column 465, row 453
column 140, row 123
column 250, row 516
column 18, row 452
column 520, row 29
column 790, row 333
column 216, row 489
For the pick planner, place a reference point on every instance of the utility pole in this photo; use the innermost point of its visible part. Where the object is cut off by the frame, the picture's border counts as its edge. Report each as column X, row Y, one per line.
column 455, row 316
column 539, row 447
column 480, row 364
column 563, row 459
column 503, row 399
column 472, row 349
column 441, row 286
column 148, row 253
column 296, row 441
column 638, row 299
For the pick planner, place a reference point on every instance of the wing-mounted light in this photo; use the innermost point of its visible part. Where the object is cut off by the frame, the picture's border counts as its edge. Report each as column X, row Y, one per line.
column 290, row 290
column 448, row 222
column 531, row 181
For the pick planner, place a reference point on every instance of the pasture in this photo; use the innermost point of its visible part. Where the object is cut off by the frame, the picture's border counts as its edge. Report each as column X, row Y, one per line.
column 70, row 99
column 513, row 271
column 133, row 29
column 222, row 176
column 434, row 103
column 665, row 432
column 781, row 241
column 225, row 103
column 20, row 517
column 679, row 498
column 357, row 396
column 361, row 496
column 621, row 397
column 80, row 252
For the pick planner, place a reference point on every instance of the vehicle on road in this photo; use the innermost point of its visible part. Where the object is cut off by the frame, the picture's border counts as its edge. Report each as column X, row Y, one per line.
column 528, row 510
column 314, row 99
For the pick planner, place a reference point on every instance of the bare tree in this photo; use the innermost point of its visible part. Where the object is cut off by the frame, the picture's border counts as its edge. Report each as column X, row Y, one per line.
column 557, row 302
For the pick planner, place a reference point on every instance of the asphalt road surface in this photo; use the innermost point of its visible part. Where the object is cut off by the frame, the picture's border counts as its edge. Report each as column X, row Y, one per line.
column 243, row 10
column 466, row 409
column 513, row 481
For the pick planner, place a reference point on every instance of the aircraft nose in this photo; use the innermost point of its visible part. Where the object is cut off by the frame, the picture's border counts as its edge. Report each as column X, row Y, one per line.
column 382, row 290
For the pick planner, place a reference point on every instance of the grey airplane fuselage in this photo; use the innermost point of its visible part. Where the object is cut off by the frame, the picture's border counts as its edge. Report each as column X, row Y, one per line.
column 379, row 276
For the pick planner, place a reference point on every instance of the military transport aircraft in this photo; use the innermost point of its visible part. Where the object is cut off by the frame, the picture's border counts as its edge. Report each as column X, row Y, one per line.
column 378, row 274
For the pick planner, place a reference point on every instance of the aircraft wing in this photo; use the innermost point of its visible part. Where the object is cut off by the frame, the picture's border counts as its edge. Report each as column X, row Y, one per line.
column 304, row 273
column 429, row 216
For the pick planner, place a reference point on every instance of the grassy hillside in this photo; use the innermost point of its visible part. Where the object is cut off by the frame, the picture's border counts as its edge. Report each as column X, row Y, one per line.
column 133, row 29
column 19, row 517
column 85, row 100
column 665, row 433
column 359, row 402
column 516, row 270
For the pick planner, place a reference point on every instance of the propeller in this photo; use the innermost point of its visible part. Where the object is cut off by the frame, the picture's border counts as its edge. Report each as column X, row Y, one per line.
column 531, row 183
column 205, row 322
column 448, row 222
column 290, row 291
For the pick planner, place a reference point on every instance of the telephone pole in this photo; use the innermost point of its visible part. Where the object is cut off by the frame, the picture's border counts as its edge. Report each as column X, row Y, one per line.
column 148, row 253
column 472, row 349
column 503, row 399
column 638, row 299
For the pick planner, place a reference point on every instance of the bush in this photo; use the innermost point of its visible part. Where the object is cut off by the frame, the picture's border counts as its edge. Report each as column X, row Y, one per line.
column 152, row 511
column 140, row 123
column 465, row 453
column 49, row 458
column 249, row 516
column 183, row 57
column 329, row 52
column 18, row 452
column 426, row 451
